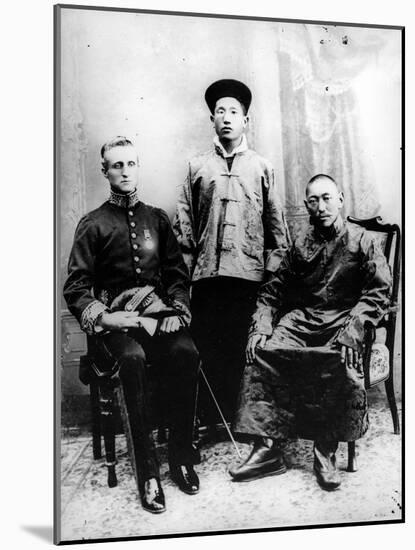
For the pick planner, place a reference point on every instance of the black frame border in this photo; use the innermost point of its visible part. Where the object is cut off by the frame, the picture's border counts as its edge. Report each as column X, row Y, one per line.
column 57, row 286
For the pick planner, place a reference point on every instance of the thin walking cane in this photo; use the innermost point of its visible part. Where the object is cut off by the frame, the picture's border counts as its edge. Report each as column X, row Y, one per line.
column 219, row 409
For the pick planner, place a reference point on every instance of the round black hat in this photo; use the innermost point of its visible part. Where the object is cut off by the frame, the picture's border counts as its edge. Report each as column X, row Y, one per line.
column 228, row 88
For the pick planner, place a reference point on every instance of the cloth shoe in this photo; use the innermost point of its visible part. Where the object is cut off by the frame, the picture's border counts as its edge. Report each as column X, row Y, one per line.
column 152, row 496
column 263, row 461
column 325, row 466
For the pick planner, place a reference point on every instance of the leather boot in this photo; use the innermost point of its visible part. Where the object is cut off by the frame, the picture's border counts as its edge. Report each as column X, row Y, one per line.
column 264, row 460
column 325, row 466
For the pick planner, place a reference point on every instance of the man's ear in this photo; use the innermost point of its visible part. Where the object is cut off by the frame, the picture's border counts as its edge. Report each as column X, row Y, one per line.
column 212, row 118
column 306, row 204
column 341, row 197
column 246, row 120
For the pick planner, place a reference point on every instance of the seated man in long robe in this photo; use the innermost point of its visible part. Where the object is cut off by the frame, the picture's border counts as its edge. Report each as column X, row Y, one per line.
column 304, row 373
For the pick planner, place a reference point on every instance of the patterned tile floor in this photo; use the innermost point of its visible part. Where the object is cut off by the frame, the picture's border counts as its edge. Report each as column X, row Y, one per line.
column 91, row 510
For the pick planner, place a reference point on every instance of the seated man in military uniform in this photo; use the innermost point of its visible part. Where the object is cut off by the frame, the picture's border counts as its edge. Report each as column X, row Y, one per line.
column 304, row 354
column 128, row 287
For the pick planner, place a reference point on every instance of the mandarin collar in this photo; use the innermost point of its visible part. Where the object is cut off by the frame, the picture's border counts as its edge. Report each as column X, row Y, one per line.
column 334, row 231
column 241, row 148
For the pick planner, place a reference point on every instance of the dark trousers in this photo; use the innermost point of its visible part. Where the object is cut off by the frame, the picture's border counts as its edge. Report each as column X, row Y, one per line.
column 221, row 313
column 176, row 358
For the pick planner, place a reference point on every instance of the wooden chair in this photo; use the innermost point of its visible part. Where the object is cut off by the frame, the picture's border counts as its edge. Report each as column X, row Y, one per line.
column 377, row 357
column 106, row 397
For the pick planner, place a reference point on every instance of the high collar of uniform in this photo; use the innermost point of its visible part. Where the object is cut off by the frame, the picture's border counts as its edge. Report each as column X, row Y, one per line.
column 125, row 201
column 241, row 148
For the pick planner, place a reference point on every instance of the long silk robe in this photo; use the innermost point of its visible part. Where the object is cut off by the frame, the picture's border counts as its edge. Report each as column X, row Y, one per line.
column 322, row 295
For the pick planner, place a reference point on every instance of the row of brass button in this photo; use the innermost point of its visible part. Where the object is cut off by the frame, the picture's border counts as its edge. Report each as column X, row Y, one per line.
column 135, row 245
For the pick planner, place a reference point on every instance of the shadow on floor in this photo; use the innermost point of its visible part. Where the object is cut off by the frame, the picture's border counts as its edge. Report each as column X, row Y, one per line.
column 43, row 532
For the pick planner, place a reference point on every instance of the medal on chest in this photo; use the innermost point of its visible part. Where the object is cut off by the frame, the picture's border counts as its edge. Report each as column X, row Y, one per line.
column 148, row 240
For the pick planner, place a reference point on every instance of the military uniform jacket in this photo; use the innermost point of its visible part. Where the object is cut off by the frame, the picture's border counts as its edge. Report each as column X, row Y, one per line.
column 124, row 244
column 230, row 222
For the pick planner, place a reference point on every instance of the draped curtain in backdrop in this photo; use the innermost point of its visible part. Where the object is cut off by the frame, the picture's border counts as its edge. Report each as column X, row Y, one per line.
column 320, row 116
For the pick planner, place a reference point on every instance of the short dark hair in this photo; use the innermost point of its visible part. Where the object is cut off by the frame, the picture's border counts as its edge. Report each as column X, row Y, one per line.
column 118, row 141
column 318, row 177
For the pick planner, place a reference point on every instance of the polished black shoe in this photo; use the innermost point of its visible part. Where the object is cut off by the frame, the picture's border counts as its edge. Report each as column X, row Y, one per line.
column 185, row 478
column 325, row 468
column 263, row 461
column 152, row 496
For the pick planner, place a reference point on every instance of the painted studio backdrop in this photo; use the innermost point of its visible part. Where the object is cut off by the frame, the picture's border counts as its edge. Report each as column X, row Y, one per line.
column 325, row 99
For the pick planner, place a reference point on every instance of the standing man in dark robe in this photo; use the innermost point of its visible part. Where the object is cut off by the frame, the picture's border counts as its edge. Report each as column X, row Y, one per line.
column 126, row 248
column 304, row 354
